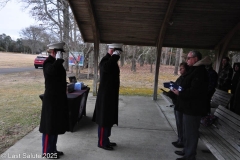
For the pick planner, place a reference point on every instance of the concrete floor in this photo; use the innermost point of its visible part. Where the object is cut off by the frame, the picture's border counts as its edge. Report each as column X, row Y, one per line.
column 146, row 130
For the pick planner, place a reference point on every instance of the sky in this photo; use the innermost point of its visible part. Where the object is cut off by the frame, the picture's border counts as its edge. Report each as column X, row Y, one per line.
column 13, row 19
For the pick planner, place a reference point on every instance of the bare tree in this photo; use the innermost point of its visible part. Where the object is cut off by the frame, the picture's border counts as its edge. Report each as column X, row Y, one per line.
column 90, row 64
column 33, row 36
column 177, row 61
column 133, row 68
column 122, row 57
column 150, row 56
column 65, row 28
column 55, row 17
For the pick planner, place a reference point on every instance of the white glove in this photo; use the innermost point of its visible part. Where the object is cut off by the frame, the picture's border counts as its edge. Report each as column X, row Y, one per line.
column 117, row 52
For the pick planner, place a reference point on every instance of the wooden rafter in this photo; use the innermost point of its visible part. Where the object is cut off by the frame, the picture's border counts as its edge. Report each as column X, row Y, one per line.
column 96, row 38
column 228, row 37
column 162, row 32
column 222, row 46
column 93, row 20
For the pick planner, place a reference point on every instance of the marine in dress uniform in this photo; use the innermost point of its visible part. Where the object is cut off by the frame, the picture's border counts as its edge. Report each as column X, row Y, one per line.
column 54, row 115
column 106, row 108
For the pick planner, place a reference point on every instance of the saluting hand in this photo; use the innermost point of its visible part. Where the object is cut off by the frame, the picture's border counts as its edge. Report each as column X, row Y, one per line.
column 117, row 52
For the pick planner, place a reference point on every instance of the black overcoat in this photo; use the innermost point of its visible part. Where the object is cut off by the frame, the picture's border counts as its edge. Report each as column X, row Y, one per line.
column 54, row 116
column 106, row 108
column 236, row 103
column 193, row 99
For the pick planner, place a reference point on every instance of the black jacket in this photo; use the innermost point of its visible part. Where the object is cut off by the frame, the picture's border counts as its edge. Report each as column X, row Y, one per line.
column 225, row 77
column 173, row 96
column 235, row 79
column 193, row 99
column 54, row 116
column 106, row 108
column 236, row 103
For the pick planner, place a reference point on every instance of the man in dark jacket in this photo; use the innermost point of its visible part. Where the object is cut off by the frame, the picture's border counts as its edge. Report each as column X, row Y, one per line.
column 234, row 83
column 106, row 108
column 213, row 78
column 192, row 101
column 225, row 75
column 54, row 116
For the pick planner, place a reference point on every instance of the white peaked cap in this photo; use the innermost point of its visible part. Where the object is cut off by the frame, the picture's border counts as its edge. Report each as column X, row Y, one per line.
column 58, row 45
column 115, row 45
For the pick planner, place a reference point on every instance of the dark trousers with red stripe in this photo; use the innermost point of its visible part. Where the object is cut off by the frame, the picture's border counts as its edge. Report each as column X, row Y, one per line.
column 103, row 136
column 49, row 143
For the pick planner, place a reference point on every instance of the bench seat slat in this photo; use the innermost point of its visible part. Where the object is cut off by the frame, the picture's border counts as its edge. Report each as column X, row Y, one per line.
column 218, row 143
column 223, row 127
column 228, row 136
column 220, row 98
column 225, row 121
column 236, row 116
column 223, row 141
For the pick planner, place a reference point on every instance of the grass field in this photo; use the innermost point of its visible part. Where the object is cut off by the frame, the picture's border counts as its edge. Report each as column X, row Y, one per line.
column 20, row 105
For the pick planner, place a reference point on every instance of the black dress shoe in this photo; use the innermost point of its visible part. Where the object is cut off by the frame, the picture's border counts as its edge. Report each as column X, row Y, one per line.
column 177, row 145
column 106, row 147
column 180, row 153
column 112, row 144
column 175, row 142
column 60, row 153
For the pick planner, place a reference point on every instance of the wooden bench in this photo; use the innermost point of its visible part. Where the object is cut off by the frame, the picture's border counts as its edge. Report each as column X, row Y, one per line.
column 220, row 98
column 223, row 138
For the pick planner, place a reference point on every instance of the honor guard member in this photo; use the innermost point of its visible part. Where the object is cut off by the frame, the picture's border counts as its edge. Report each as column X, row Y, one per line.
column 54, row 116
column 106, row 108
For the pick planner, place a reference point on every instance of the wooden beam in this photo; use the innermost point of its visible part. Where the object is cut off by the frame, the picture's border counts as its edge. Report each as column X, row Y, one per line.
column 222, row 47
column 96, row 38
column 162, row 32
column 228, row 37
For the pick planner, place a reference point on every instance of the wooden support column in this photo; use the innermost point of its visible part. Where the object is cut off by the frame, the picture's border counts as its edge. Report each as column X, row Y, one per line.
column 160, row 43
column 96, row 44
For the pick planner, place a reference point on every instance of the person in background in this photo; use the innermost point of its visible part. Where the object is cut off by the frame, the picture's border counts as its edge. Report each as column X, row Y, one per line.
column 213, row 79
column 54, row 115
column 177, row 112
column 192, row 100
column 225, row 75
column 234, row 82
column 236, row 102
column 106, row 108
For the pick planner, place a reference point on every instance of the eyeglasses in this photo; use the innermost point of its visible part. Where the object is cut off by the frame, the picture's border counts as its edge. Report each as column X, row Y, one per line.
column 189, row 58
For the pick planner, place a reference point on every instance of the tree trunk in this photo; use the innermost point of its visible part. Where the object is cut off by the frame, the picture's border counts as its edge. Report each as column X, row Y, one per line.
column 66, row 33
column 133, row 68
column 90, row 64
column 141, row 61
column 170, row 58
column 151, row 68
column 122, row 59
column 177, row 61
column 77, row 69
